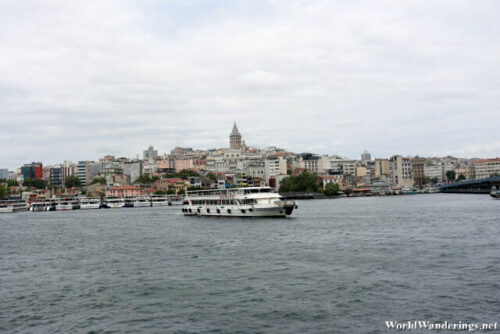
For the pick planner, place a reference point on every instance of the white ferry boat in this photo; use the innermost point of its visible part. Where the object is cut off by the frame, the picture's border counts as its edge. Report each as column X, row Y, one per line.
column 90, row 203
column 115, row 202
column 141, row 201
column 18, row 206
column 159, row 201
column 237, row 202
column 6, row 207
column 175, row 200
column 67, row 204
column 42, row 206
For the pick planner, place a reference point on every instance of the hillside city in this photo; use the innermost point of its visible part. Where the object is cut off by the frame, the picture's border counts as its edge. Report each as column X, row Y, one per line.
column 239, row 166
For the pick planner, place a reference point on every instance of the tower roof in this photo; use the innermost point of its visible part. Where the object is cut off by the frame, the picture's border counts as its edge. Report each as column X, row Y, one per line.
column 235, row 130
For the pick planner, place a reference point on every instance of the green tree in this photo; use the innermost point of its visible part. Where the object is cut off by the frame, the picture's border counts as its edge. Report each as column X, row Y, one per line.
column 161, row 192
column 35, row 183
column 212, row 176
column 185, row 173
column 100, row 180
column 3, row 192
column 304, row 182
column 450, row 175
column 12, row 183
column 461, row 177
column 331, row 189
column 72, row 181
column 434, row 180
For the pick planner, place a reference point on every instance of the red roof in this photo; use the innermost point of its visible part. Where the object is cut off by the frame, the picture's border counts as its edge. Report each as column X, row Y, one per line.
column 125, row 188
column 487, row 160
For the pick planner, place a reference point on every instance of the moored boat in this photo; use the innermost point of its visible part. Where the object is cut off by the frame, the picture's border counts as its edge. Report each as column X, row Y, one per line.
column 141, row 201
column 237, row 202
column 115, row 202
column 159, row 201
column 495, row 193
column 6, row 207
column 90, row 203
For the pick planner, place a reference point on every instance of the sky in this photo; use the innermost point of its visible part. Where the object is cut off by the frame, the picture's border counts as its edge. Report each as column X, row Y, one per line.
column 83, row 79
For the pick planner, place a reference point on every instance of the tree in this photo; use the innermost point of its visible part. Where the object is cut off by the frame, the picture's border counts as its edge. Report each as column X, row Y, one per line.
column 304, row 182
column 212, row 176
column 12, row 183
column 331, row 189
column 426, row 180
column 3, row 192
column 461, row 177
column 434, row 180
column 72, row 181
column 450, row 175
column 185, row 173
column 144, row 178
column 35, row 183
column 100, row 180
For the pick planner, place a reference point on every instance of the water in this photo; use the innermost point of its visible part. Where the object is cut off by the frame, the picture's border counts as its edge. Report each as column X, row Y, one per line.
column 337, row 266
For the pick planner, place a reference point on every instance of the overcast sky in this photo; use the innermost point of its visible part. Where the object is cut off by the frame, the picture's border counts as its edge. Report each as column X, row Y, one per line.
column 82, row 79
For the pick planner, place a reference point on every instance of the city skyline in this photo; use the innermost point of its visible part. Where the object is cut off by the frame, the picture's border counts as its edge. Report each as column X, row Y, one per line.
column 82, row 80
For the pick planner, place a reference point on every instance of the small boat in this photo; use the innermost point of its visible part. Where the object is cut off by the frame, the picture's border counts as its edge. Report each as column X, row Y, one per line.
column 90, row 203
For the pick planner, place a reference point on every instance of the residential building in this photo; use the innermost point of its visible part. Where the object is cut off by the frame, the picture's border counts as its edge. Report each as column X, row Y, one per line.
column 487, row 167
column 83, row 172
column 418, row 165
column 33, row 170
column 4, row 173
column 56, row 176
column 150, row 153
column 366, row 157
column 124, row 191
column 401, row 171
column 434, row 170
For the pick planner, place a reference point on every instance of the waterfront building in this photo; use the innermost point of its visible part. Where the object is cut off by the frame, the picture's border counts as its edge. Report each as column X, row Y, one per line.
column 274, row 167
column 150, row 153
column 401, row 171
column 124, row 191
column 309, row 161
column 486, row 168
column 418, row 165
column 33, row 170
column 382, row 168
column 132, row 169
column 235, row 138
column 256, row 169
column 56, row 176
column 83, row 172
column 434, row 170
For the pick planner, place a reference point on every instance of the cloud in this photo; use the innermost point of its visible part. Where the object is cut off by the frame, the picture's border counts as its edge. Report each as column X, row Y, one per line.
column 387, row 76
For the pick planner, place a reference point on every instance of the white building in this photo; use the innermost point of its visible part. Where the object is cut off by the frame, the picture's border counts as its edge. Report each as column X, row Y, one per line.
column 486, row 168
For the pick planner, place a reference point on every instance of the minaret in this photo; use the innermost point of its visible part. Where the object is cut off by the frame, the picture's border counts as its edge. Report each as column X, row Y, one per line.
column 235, row 138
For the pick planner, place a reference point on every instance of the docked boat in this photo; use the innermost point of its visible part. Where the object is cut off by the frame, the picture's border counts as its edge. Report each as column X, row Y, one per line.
column 159, row 201
column 141, row 201
column 87, row 203
column 19, row 206
column 175, row 199
column 237, row 202
column 67, row 204
column 6, row 207
column 115, row 202
column 39, row 206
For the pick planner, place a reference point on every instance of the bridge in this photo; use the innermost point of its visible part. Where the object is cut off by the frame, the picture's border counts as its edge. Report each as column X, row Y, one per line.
column 480, row 186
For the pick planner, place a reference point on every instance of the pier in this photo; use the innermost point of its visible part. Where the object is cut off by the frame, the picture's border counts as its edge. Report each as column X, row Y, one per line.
column 479, row 186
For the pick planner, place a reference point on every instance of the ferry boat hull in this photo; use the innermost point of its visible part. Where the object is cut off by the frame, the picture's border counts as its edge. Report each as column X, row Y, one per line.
column 236, row 212
column 88, row 206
